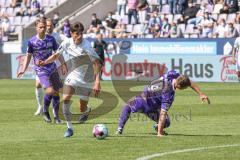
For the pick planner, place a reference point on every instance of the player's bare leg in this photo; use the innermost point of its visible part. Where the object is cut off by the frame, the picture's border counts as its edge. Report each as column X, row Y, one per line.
column 39, row 97
column 84, row 109
column 67, row 94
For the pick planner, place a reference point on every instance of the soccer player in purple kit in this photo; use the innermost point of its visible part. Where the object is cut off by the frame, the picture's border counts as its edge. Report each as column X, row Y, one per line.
column 40, row 47
column 156, row 100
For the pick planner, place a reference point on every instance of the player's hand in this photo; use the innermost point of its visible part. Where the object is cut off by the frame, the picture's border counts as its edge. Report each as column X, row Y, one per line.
column 40, row 63
column 64, row 69
column 234, row 61
column 96, row 89
column 204, row 98
column 19, row 75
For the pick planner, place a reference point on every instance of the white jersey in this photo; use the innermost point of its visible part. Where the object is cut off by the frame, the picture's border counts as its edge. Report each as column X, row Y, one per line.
column 237, row 44
column 237, row 47
column 81, row 59
column 58, row 37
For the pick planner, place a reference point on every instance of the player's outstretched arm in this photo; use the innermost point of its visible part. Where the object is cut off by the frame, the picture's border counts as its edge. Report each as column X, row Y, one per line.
column 27, row 60
column 161, row 122
column 63, row 65
column 196, row 88
column 50, row 59
column 97, row 69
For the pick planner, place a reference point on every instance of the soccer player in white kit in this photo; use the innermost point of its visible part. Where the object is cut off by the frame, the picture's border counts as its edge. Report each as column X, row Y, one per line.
column 236, row 56
column 38, row 88
column 84, row 75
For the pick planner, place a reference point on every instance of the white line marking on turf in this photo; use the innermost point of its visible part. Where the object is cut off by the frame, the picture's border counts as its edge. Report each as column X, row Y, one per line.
column 185, row 150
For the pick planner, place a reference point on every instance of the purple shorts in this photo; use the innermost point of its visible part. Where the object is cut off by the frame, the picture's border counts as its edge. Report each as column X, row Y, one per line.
column 51, row 80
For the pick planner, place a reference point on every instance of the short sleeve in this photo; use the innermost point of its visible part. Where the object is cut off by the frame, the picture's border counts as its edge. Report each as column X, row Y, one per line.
column 91, row 52
column 29, row 48
column 63, row 46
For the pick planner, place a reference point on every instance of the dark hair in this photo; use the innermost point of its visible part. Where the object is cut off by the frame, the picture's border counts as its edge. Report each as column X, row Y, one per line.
column 183, row 81
column 77, row 27
column 40, row 20
column 49, row 20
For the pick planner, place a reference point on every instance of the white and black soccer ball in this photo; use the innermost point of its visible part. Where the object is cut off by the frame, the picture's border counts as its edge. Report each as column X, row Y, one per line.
column 100, row 131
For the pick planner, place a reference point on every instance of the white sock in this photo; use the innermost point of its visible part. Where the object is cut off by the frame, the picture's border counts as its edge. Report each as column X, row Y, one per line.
column 39, row 96
column 69, row 125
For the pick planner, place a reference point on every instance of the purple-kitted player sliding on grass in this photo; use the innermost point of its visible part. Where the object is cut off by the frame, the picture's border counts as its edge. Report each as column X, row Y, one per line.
column 40, row 47
column 157, row 98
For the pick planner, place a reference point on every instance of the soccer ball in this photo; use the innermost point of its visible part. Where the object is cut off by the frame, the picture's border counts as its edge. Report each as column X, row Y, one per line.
column 100, row 131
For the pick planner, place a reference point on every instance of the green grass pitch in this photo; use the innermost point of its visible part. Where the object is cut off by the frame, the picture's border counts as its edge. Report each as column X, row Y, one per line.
column 24, row 136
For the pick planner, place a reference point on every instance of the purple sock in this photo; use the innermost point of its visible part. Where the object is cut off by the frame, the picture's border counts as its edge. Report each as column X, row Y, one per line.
column 124, row 116
column 47, row 101
column 55, row 105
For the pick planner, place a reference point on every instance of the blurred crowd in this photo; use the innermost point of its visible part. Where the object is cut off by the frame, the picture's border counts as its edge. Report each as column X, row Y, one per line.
column 169, row 19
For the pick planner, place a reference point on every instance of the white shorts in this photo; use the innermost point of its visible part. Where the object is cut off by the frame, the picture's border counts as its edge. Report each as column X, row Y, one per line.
column 83, row 90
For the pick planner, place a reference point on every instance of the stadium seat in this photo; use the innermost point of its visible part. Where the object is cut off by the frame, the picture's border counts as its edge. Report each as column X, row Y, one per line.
column 182, row 27
column 176, row 17
column 2, row 3
column 165, row 9
column 17, row 20
column 25, row 20
column 9, row 11
column 231, row 18
column 129, row 28
column 189, row 28
column 222, row 16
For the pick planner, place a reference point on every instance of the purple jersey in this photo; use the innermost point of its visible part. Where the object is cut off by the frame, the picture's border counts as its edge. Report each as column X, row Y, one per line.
column 160, row 92
column 41, row 50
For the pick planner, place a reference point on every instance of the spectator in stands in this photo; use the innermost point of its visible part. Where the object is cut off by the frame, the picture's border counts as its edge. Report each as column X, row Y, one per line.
column 182, row 5
column 172, row 6
column 165, row 29
column 225, row 9
column 156, row 31
column 154, row 19
column 23, row 10
column 132, row 11
column 233, row 5
column 100, row 47
column 56, row 18
column 191, row 11
column 231, row 31
column 5, row 26
column 221, row 29
column 121, row 7
column 174, row 31
column 206, row 26
column 142, row 10
column 199, row 15
column 16, row 3
column 66, row 28
column 35, row 7
column 95, row 24
column 111, row 22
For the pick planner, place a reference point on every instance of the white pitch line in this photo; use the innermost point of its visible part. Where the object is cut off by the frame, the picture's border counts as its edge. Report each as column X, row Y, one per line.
column 185, row 150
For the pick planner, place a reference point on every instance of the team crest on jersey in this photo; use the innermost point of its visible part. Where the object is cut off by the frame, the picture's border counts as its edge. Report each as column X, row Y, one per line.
column 49, row 44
